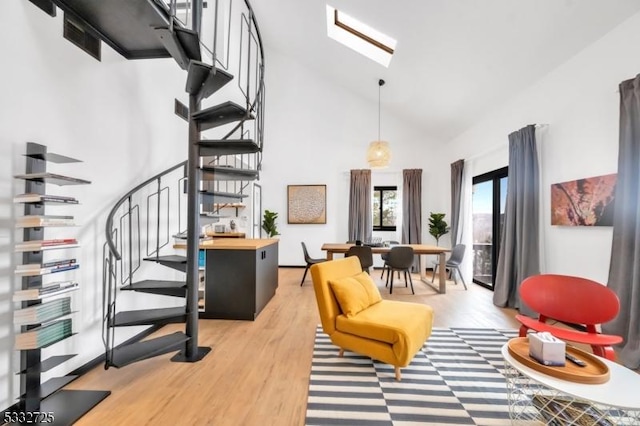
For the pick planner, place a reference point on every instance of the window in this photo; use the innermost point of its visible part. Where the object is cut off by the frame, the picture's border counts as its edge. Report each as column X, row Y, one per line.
column 385, row 204
column 360, row 37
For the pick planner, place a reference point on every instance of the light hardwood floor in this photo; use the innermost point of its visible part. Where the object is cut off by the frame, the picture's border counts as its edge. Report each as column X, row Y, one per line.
column 257, row 372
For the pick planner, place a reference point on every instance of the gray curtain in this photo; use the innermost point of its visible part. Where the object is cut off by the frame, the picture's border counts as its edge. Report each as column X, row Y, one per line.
column 360, row 226
column 624, row 269
column 519, row 255
column 456, row 199
column 412, row 208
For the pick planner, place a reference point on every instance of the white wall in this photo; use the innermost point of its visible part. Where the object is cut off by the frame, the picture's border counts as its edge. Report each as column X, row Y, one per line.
column 115, row 115
column 316, row 132
column 580, row 104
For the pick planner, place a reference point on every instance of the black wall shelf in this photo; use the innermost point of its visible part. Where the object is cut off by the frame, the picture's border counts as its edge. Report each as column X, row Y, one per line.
column 53, row 178
column 51, row 157
column 65, row 406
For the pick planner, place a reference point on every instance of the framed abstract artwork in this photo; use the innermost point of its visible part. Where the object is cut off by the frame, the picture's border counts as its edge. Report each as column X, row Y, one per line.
column 584, row 202
column 307, row 204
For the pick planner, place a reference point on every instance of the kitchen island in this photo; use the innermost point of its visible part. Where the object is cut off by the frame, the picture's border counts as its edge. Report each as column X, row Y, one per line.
column 240, row 277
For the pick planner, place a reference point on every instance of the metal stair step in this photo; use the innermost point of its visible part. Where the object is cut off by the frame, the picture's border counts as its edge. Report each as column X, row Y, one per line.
column 190, row 42
column 166, row 288
column 124, row 355
column 126, row 26
column 211, row 197
column 218, row 115
column 168, row 258
column 182, row 44
column 203, row 82
column 227, row 147
column 220, row 173
column 172, row 261
column 171, row 43
column 149, row 317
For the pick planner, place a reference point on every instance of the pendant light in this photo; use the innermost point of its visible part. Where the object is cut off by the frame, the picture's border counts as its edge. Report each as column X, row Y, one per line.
column 379, row 153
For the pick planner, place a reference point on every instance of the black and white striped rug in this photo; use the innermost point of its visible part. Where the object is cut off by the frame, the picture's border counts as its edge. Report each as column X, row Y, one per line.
column 456, row 379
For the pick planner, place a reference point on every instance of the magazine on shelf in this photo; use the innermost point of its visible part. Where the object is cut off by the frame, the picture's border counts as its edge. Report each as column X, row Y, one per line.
column 58, row 263
column 37, row 245
column 44, row 335
column 49, row 220
column 43, row 312
column 43, row 198
column 50, row 290
column 50, row 264
column 62, row 268
column 39, row 270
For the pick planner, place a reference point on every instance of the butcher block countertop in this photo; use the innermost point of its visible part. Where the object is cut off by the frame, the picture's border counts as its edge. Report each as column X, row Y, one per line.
column 233, row 244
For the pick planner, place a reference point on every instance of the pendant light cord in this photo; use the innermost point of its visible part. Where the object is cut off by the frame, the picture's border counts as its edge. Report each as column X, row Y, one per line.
column 380, row 84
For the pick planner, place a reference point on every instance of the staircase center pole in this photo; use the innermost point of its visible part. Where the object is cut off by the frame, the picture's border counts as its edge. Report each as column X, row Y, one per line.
column 192, row 352
column 196, row 16
column 193, row 234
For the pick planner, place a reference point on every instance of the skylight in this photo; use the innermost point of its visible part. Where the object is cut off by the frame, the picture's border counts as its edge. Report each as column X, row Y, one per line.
column 360, row 37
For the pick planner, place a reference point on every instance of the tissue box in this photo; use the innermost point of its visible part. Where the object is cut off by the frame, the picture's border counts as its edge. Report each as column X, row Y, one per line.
column 547, row 349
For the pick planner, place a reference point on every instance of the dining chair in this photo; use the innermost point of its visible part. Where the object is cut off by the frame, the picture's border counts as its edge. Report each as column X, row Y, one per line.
column 400, row 259
column 453, row 264
column 364, row 254
column 385, row 256
column 310, row 261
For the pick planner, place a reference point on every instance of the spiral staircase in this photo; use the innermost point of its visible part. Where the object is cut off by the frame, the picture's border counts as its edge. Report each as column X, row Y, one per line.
column 219, row 171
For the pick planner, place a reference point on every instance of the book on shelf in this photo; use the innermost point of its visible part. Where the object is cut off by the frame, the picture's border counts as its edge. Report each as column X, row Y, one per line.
column 44, row 335
column 32, row 221
column 43, row 312
column 37, row 245
column 50, row 290
column 43, row 198
column 39, row 270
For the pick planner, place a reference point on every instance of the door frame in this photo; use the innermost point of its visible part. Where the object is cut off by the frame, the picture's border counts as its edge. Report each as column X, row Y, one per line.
column 493, row 176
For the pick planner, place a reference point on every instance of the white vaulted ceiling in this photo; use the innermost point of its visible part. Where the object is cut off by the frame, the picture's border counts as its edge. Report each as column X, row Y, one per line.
column 455, row 59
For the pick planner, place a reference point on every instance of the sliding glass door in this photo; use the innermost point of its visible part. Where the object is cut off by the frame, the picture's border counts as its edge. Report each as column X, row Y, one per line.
column 488, row 203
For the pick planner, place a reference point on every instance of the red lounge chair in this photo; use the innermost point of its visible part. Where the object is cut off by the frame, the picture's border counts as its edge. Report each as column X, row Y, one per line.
column 571, row 300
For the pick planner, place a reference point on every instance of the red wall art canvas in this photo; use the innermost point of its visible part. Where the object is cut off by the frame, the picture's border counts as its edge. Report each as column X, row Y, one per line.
column 584, row 202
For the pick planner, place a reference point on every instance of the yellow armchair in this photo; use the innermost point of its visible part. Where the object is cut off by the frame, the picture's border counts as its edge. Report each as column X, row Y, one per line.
column 356, row 318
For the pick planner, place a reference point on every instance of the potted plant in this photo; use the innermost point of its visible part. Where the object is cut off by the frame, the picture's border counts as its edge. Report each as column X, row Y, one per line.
column 269, row 223
column 437, row 226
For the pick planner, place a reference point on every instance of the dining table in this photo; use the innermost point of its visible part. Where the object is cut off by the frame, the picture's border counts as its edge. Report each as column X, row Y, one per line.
column 420, row 250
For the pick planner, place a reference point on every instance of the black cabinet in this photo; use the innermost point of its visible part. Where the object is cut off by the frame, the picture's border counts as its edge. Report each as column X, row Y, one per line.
column 240, row 282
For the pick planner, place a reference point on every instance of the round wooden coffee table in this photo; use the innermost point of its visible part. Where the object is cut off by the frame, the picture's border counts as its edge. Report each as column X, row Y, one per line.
column 538, row 398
